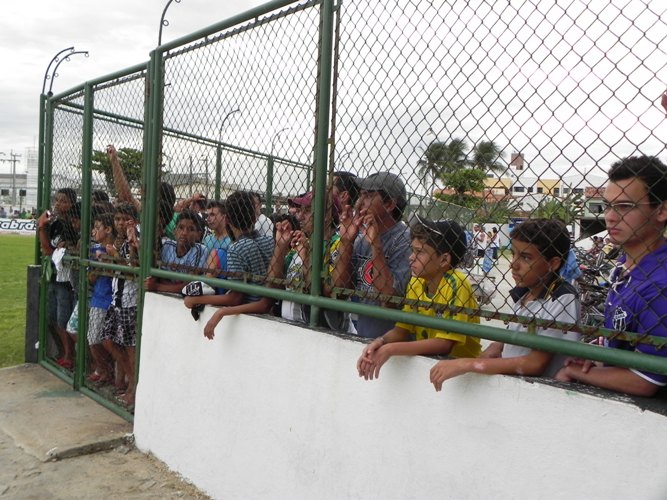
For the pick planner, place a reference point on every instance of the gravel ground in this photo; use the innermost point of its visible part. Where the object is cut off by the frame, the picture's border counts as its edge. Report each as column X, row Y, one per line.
column 123, row 473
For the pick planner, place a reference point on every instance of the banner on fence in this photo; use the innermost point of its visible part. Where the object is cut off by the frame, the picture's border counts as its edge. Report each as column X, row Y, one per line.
column 23, row 226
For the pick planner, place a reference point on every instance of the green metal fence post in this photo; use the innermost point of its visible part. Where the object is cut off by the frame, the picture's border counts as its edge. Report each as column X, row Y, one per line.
column 86, row 190
column 44, row 203
column 150, row 199
column 321, row 150
column 40, row 167
column 218, row 171
column 269, row 184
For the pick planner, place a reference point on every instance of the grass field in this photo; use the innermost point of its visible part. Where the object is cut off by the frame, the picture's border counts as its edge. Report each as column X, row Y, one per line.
column 16, row 253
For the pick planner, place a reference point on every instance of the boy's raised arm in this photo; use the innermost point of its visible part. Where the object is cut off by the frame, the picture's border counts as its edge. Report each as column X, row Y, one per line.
column 341, row 276
column 123, row 190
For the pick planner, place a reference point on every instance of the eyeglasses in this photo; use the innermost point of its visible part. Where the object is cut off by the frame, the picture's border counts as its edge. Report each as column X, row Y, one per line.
column 622, row 207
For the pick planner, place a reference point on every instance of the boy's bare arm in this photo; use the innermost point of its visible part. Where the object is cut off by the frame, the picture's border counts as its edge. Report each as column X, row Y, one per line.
column 262, row 306
column 231, row 298
column 607, row 377
column 280, row 250
column 341, row 276
column 42, row 228
column 394, row 343
column 123, row 190
column 494, row 350
column 212, row 269
column 532, row 364
column 152, row 284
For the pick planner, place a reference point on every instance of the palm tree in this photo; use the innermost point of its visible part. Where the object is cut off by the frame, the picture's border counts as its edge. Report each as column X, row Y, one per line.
column 486, row 156
column 567, row 209
column 454, row 156
column 449, row 163
column 430, row 166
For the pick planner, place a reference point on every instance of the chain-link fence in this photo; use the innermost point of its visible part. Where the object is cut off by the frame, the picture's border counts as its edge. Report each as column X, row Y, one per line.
column 385, row 145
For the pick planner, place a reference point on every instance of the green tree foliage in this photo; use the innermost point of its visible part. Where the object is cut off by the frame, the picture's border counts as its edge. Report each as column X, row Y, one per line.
column 465, row 200
column 566, row 209
column 464, row 180
column 459, row 169
column 131, row 161
column 498, row 212
column 486, row 155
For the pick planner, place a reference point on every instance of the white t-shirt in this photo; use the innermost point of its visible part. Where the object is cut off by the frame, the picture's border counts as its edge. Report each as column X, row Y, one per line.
column 480, row 240
column 561, row 305
column 264, row 226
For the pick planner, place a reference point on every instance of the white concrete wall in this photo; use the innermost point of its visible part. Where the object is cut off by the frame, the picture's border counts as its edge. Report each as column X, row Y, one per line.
column 269, row 410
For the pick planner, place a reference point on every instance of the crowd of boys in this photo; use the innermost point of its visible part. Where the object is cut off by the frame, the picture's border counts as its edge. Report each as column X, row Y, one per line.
column 370, row 250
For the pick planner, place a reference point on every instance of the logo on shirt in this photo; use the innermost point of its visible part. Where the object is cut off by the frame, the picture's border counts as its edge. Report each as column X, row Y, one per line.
column 367, row 273
column 619, row 319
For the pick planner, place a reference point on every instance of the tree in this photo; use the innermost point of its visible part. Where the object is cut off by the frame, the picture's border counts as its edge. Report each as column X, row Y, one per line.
column 131, row 160
column 498, row 212
column 449, row 163
column 567, row 209
column 464, row 180
column 486, row 155
column 441, row 157
column 429, row 165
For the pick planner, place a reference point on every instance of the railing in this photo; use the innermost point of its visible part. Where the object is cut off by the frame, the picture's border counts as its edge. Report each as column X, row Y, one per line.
column 277, row 99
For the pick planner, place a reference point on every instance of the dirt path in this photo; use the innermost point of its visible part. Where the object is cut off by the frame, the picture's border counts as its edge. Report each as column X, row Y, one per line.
column 123, row 473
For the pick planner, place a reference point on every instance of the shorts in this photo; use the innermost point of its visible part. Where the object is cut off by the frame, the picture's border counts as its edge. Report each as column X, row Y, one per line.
column 60, row 303
column 73, row 323
column 480, row 252
column 96, row 316
column 120, row 326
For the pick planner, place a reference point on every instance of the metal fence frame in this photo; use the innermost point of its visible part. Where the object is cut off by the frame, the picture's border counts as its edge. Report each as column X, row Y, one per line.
column 318, row 173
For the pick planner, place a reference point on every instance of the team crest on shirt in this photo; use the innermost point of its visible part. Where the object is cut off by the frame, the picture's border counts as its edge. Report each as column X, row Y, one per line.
column 367, row 273
column 334, row 257
column 619, row 319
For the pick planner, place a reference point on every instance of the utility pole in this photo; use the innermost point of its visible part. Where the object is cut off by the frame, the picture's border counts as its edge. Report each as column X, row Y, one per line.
column 13, row 159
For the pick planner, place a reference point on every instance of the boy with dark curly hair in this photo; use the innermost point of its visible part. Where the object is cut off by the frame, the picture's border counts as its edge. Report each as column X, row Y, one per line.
column 539, row 249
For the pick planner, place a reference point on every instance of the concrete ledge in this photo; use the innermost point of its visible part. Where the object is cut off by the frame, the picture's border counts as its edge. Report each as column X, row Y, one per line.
column 50, row 421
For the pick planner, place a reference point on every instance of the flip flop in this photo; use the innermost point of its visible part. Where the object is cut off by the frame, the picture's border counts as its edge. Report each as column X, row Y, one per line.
column 65, row 363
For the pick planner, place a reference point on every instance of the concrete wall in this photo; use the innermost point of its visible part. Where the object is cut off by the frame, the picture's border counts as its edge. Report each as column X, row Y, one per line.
column 270, row 410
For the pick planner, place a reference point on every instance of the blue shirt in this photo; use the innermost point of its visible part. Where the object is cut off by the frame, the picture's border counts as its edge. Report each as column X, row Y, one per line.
column 396, row 248
column 637, row 302
column 213, row 243
column 570, row 269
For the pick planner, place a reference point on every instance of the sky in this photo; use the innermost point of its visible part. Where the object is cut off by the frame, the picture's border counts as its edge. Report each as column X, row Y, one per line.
column 548, row 79
column 117, row 34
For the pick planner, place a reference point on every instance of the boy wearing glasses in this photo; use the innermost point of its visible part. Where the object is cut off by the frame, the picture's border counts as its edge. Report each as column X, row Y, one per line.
column 635, row 215
column 437, row 248
column 539, row 248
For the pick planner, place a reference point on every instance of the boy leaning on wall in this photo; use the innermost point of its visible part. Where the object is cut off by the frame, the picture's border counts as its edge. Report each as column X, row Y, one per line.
column 635, row 202
column 539, row 248
column 437, row 248
column 249, row 254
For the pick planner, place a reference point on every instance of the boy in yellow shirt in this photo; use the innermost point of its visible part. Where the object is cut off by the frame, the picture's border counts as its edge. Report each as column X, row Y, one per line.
column 437, row 248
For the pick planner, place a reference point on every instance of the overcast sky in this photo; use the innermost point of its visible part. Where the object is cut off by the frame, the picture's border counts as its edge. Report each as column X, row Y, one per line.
column 551, row 82
column 117, row 34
